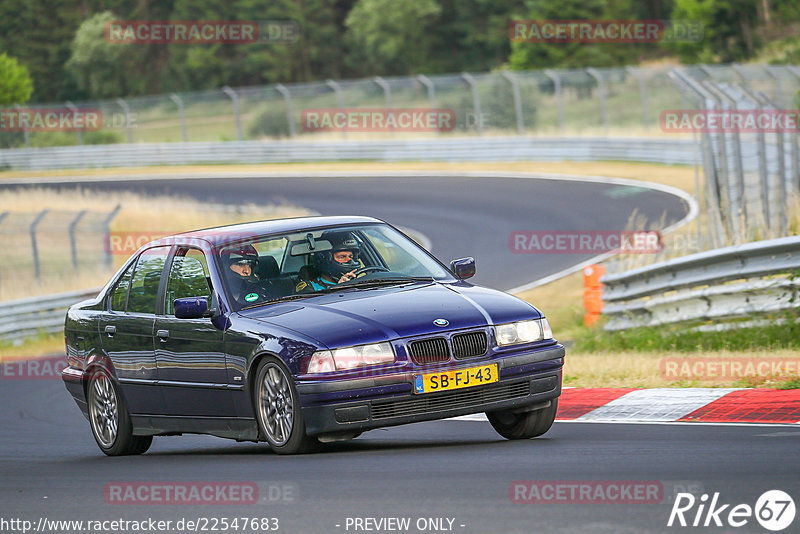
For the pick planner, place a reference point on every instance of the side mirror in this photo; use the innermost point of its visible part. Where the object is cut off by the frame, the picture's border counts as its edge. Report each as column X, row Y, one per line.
column 463, row 268
column 191, row 307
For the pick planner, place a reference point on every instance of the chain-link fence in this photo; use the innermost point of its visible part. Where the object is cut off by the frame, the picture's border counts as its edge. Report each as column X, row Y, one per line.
column 747, row 134
column 598, row 101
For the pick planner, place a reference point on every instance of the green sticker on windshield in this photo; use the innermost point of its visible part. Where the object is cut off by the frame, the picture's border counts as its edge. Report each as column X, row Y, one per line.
column 250, row 297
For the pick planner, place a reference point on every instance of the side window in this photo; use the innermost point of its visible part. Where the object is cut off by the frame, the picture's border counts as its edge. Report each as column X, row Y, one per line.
column 188, row 277
column 144, row 283
column 119, row 296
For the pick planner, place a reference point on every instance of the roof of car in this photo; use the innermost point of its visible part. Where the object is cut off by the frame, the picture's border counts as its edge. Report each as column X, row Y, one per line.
column 237, row 232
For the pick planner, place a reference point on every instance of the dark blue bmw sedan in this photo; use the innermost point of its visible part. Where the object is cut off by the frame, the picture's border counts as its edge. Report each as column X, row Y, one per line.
column 302, row 331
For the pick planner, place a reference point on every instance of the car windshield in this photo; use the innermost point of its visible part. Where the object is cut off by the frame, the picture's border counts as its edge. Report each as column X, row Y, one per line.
column 301, row 264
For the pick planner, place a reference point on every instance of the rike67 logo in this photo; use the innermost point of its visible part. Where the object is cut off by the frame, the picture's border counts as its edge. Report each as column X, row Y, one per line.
column 774, row 510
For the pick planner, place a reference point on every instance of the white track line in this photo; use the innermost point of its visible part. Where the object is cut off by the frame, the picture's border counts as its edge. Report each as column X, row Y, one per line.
column 659, row 404
column 689, row 199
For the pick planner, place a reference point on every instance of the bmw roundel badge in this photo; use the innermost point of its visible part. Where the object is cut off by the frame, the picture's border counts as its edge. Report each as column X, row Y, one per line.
column 441, row 322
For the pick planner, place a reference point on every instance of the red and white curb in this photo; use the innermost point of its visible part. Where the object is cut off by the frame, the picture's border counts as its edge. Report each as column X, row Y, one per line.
column 659, row 405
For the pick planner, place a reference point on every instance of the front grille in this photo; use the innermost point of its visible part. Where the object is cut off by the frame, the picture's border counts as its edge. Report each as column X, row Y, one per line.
column 470, row 345
column 465, row 398
column 433, row 350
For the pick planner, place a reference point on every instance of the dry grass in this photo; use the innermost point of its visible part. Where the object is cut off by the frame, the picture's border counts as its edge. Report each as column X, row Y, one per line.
column 149, row 215
column 33, row 348
column 643, row 369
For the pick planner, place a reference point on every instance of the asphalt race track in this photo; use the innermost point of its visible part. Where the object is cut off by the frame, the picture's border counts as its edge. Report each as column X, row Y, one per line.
column 465, row 216
column 51, row 468
column 447, row 470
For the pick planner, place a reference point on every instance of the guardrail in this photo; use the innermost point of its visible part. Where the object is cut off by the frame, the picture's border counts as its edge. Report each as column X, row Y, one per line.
column 23, row 318
column 724, row 284
column 656, row 150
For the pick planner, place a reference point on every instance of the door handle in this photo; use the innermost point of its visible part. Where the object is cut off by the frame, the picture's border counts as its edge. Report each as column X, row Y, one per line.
column 111, row 330
column 163, row 335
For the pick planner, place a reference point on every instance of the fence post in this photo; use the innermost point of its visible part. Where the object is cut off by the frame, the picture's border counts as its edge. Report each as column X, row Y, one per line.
column 601, row 87
column 237, row 114
column 424, row 80
column 431, row 89
column 287, row 98
column 337, row 89
column 37, row 269
column 738, row 69
column 24, row 129
column 778, row 87
column 387, row 94
column 553, row 75
column 181, row 115
column 724, row 185
column 74, row 109
column 794, row 140
column 738, row 203
column 517, row 100
column 107, row 236
column 127, row 110
column 476, row 100
column 642, row 92
column 72, row 244
column 713, row 194
column 708, row 71
column 779, row 188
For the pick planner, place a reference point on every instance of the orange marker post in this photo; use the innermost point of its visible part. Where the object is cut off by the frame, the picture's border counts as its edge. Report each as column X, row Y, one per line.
column 592, row 293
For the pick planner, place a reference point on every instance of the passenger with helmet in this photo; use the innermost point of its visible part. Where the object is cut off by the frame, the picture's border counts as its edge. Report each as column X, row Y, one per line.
column 333, row 266
column 240, row 263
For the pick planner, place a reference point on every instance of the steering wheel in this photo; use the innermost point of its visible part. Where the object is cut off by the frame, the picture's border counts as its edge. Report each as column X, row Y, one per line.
column 370, row 269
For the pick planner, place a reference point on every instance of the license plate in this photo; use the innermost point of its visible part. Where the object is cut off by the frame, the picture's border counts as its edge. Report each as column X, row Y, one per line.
column 461, row 378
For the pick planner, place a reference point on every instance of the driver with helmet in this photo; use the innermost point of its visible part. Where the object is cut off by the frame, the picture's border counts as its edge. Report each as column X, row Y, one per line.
column 334, row 266
column 240, row 266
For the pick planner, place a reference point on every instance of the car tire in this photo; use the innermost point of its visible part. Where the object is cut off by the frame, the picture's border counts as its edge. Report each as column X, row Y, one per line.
column 524, row 425
column 277, row 408
column 109, row 418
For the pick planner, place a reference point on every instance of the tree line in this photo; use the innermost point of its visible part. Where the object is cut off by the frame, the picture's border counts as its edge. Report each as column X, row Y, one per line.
column 60, row 45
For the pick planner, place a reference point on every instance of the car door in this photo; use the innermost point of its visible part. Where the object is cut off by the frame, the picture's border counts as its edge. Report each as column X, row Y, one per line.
column 189, row 352
column 126, row 331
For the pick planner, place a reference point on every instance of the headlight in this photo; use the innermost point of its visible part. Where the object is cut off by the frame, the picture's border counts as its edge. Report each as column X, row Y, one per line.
column 326, row 361
column 523, row 332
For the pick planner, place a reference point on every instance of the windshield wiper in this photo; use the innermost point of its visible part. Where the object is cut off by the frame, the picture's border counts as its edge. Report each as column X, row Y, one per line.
column 380, row 282
column 281, row 299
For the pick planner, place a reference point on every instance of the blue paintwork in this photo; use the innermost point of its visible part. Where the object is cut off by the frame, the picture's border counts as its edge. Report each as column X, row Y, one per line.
column 291, row 331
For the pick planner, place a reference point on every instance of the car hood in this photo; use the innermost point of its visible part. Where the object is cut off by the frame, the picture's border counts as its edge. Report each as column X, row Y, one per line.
column 372, row 315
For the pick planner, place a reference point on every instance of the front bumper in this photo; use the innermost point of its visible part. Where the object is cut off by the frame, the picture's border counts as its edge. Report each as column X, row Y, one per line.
column 526, row 380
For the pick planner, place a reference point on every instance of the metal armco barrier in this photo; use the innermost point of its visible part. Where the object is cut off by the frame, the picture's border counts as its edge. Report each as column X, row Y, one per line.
column 655, row 150
column 729, row 283
column 20, row 319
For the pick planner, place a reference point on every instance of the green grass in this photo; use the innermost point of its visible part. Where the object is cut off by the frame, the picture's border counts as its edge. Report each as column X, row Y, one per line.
column 780, row 332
